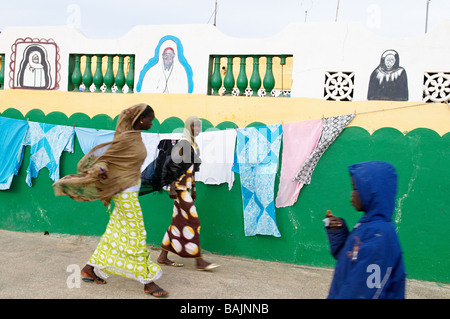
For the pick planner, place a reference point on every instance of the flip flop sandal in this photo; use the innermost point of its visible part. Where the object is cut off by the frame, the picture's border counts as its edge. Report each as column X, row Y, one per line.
column 156, row 291
column 97, row 280
column 172, row 264
column 175, row 264
column 209, row 267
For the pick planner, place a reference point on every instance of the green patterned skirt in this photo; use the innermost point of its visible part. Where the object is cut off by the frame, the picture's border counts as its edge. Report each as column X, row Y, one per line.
column 122, row 249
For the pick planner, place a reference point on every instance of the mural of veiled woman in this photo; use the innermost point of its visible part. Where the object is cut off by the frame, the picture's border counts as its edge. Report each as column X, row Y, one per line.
column 34, row 69
column 168, row 71
column 388, row 81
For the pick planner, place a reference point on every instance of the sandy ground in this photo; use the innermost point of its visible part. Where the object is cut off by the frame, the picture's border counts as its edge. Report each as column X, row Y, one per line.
column 38, row 266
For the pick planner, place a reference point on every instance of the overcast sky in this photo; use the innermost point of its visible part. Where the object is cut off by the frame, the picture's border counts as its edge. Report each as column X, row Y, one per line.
column 237, row 18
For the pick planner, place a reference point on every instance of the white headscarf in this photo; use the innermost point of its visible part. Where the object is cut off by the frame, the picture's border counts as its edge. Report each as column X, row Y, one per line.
column 187, row 133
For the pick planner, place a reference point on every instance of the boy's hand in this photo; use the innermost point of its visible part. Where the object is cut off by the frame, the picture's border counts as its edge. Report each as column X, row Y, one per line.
column 334, row 222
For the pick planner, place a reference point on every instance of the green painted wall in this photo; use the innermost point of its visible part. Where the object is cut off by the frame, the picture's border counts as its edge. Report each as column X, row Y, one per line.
column 421, row 158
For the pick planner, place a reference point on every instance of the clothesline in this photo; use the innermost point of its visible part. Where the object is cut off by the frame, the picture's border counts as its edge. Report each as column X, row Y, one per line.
column 393, row 108
column 355, row 112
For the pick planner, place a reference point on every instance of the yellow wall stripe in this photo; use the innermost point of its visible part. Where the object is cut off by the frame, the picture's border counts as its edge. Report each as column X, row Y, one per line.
column 371, row 115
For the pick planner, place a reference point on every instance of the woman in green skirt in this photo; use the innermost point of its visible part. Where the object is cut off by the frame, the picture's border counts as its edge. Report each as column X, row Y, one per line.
column 111, row 171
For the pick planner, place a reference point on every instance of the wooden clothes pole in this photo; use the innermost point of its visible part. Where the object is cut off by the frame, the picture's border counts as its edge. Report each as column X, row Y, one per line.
column 337, row 10
column 215, row 13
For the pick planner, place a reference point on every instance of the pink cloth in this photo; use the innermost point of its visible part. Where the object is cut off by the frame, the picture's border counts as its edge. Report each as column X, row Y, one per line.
column 299, row 140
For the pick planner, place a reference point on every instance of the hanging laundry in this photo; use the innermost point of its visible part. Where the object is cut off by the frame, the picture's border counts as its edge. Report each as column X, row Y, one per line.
column 90, row 137
column 257, row 153
column 217, row 154
column 12, row 136
column 172, row 137
column 332, row 128
column 151, row 141
column 216, row 151
column 47, row 142
column 299, row 140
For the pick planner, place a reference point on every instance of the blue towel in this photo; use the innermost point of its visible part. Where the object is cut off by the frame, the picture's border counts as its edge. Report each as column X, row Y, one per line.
column 257, row 153
column 47, row 141
column 90, row 137
column 12, row 135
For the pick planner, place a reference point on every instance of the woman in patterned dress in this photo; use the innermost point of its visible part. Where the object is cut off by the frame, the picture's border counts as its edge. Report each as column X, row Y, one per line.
column 112, row 171
column 183, row 235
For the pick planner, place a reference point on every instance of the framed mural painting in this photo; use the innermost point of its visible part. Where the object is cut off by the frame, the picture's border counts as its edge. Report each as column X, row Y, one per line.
column 35, row 64
column 389, row 80
column 168, row 71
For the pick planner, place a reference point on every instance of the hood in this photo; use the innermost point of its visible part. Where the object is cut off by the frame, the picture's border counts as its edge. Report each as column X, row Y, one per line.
column 376, row 183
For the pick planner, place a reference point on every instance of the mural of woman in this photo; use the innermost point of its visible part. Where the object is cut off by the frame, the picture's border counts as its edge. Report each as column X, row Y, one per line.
column 34, row 69
column 168, row 71
column 388, row 81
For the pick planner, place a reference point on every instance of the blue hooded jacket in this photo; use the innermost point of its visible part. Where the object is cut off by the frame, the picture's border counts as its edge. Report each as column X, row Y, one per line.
column 369, row 259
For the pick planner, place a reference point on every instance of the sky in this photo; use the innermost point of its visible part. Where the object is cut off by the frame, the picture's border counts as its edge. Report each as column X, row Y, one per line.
column 110, row 19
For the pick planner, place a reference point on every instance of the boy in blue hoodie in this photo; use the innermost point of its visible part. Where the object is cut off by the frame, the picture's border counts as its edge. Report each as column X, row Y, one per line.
column 369, row 259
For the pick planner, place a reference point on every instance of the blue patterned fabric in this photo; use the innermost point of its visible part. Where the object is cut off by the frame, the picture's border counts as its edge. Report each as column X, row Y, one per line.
column 256, row 160
column 47, row 142
column 12, row 135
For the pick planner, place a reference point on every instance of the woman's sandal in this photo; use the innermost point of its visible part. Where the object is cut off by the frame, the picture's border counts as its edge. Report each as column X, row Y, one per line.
column 96, row 280
column 171, row 263
column 208, row 267
column 156, row 292
column 174, row 264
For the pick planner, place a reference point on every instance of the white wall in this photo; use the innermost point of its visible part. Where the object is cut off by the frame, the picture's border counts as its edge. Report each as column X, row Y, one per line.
column 316, row 48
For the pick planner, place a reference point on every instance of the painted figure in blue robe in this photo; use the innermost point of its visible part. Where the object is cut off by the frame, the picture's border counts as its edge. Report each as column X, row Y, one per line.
column 168, row 70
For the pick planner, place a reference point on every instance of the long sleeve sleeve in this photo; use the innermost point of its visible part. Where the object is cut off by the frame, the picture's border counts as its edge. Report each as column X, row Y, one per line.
column 337, row 238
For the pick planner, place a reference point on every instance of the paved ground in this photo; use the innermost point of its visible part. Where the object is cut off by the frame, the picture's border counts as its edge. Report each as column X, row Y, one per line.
column 35, row 265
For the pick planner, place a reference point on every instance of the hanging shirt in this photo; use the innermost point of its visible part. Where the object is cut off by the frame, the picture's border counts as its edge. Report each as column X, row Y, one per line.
column 12, row 136
column 299, row 140
column 217, row 154
column 47, row 142
column 257, row 154
column 90, row 137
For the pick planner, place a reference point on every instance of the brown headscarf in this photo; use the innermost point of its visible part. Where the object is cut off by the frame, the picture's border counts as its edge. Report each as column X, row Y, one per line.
column 122, row 157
